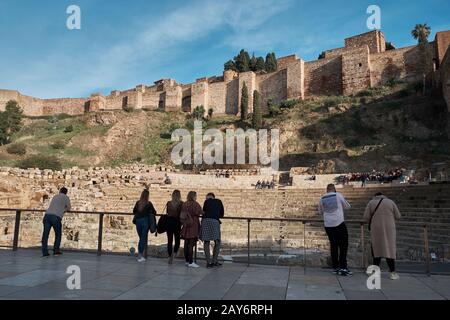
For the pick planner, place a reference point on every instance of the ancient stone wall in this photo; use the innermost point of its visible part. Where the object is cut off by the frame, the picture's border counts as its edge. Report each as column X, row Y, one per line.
column 363, row 62
column 445, row 77
column 442, row 41
column 355, row 70
column 283, row 62
column 250, row 80
column 323, row 77
column 395, row 64
column 373, row 39
column 272, row 86
column 200, row 94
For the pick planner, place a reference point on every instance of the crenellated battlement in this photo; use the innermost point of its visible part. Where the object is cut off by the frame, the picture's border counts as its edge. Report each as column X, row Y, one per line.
column 363, row 62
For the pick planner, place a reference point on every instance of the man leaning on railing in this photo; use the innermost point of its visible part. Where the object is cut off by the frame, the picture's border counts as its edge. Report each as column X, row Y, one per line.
column 52, row 219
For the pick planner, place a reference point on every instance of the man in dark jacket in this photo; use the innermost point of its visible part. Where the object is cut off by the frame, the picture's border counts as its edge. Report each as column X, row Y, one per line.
column 210, row 231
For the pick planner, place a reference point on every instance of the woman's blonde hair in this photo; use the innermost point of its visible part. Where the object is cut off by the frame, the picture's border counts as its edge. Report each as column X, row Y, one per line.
column 191, row 196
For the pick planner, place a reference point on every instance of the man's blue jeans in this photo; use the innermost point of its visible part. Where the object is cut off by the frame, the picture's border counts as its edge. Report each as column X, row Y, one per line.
column 51, row 221
column 142, row 228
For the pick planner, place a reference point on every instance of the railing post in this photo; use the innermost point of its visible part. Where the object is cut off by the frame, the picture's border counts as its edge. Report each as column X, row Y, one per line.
column 16, row 231
column 304, row 246
column 248, row 241
column 100, row 234
column 427, row 248
column 363, row 247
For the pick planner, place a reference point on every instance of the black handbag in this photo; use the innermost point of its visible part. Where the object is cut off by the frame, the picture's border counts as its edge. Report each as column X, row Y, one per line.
column 370, row 221
column 162, row 224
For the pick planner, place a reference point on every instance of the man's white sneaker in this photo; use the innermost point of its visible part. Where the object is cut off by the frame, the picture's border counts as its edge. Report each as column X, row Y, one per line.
column 193, row 265
column 141, row 259
column 394, row 276
column 186, row 264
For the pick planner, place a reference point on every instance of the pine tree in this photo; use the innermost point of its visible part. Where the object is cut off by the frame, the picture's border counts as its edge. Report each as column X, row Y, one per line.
column 230, row 65
column 257, row 113
column 244, row 102
column 10, row 121
column 260, row 64
column 271, row 62
column 252, row 64
column 242, row 61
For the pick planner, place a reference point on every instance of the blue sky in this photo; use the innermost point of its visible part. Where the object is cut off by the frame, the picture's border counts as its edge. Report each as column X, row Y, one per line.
column 125, row 43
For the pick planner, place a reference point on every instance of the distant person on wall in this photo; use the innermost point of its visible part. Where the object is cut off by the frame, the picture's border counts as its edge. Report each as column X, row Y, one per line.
column 189, row 217
column 381, row 213
column 53, row 219
column 144, row 215
column 210, row 229
column 173, row 224
column 363, row 180
column 332, row 206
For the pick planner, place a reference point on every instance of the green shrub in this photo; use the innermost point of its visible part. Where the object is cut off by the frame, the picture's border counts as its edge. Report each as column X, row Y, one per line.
column 333, row 101
column 68, row 129
column 17, row 148
column 40, row 161
column 58, row 145
column 198, row 113
column 288, row 104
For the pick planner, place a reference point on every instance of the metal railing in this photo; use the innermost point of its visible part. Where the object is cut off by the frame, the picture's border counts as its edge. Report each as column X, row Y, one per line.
column 304, row 221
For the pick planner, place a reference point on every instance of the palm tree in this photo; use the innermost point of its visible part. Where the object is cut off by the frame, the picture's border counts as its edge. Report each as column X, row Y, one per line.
column 421, row 32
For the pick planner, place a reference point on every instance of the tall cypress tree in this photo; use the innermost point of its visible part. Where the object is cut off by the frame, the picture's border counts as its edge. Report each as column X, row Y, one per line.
column 244, row 102
column 252, row 64
column 257, row 113
column 260, row 64
column 242, row 61
column 271, row 62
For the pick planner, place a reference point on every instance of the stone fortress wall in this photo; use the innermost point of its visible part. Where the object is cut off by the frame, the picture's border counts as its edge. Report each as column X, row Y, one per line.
column 362, row 63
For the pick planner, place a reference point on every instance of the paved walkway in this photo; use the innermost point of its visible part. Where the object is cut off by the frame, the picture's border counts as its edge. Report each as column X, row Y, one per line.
column 25, row 275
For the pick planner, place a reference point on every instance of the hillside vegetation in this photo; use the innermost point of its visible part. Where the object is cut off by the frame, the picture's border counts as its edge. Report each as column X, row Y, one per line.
column 382, row 127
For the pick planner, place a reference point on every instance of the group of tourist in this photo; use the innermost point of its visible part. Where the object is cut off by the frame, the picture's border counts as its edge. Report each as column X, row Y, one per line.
column 265, row 184
column 373, row 176
column 182, row 221
column 380, row 214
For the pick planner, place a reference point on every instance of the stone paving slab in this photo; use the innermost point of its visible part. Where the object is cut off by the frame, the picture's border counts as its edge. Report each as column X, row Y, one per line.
column 25, row 275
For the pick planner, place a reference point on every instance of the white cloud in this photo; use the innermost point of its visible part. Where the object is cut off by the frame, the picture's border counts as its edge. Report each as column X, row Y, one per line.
column 63, row 75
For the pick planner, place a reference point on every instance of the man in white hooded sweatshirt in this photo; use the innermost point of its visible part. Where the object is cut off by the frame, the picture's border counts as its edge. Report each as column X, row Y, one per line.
column 332, row 206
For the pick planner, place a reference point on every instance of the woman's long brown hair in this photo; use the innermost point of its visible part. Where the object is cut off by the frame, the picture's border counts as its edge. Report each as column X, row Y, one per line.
column 143, row 201
column 176, row 198
column 191, row 196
